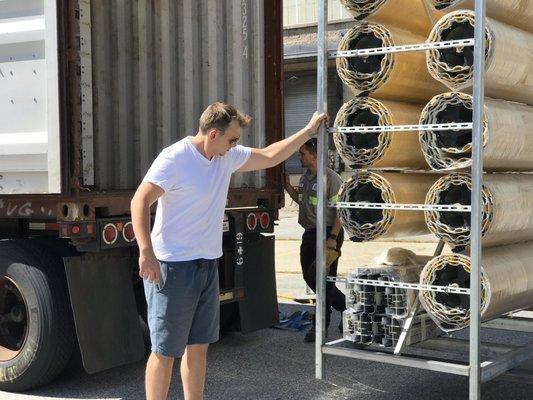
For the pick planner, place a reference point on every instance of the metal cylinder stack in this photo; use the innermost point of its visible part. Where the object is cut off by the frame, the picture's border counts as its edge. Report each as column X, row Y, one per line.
column 375, row 314
column 507, row 201
column 390, row 89
column 408, row 88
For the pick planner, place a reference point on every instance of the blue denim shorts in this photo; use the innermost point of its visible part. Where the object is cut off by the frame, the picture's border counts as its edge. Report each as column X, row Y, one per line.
column 184, row 307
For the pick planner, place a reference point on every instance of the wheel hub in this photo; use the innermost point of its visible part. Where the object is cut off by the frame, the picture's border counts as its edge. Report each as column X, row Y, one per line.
column 13, row 319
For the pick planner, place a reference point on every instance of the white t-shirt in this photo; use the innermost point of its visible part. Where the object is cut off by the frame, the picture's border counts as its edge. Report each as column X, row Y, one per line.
column 189, row 215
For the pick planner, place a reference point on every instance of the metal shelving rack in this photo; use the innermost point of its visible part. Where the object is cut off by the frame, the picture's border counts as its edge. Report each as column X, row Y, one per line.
column 476, row 371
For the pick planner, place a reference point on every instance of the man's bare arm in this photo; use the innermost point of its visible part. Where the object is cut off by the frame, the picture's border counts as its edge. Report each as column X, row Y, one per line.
column 277, row 152
column 336, row 227
column 146, row 195
column 290, row 189
column 335, row 230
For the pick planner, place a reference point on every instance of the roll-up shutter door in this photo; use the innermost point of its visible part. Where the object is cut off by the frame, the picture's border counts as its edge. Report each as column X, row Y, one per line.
column 300, row 103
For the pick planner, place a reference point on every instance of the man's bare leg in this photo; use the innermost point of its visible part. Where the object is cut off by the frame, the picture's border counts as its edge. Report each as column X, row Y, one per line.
column 158, row 375
column 193, row 366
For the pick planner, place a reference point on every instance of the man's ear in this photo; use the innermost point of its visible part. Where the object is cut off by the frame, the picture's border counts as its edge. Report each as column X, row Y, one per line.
column 212, row 133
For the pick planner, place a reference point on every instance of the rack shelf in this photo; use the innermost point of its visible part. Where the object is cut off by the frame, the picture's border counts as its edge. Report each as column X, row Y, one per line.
column 502, row 360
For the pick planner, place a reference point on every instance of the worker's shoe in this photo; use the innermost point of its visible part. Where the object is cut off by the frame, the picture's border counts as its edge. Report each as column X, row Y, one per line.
column 310, row 336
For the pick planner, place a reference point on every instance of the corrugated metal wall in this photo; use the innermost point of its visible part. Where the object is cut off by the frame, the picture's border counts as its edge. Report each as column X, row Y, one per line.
column 157, row 64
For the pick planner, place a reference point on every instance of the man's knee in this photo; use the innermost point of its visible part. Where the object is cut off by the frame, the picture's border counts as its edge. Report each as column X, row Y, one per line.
column 165, row 360
column 197, row 348
column 196, row 353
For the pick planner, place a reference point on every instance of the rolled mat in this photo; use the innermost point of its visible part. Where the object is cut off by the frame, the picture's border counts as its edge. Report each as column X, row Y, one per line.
column 411, row 15
column 517, row 13
column 506, row 285
column 394, row 76
column 508, row 57
column 378, row 149
column 507, row 134
column 507, row 209
column 368, row 224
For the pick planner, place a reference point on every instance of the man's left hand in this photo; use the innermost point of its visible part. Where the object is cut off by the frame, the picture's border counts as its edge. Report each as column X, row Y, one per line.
column 331, row 243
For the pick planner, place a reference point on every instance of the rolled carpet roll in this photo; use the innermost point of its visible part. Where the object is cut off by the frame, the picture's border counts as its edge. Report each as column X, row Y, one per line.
column 408, row 15
column 506, row 285
column 368, row 224
column 507, row 209
column 394, row 76
column 508, row 57
column 517, row 13
column 507, row 134
column 378, row 149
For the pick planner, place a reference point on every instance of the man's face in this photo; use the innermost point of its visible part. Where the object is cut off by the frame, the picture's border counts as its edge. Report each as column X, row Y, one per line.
column 221, row 142
column 307, row 159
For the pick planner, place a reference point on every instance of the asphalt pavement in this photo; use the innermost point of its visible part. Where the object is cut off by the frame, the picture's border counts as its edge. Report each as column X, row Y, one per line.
column 276, row 364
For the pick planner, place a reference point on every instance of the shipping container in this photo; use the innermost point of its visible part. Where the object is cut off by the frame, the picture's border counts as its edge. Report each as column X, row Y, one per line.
column 90, row 93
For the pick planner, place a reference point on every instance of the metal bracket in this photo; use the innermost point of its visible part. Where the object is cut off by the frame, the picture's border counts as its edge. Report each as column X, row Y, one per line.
column 402, row 128
column 401, row 285
column 401, row 49
column 406, row 327
column 415, row 307
column 393, row 206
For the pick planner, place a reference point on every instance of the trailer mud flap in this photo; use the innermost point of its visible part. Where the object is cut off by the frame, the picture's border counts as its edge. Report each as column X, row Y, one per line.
column 104, row 309
column 256, row 274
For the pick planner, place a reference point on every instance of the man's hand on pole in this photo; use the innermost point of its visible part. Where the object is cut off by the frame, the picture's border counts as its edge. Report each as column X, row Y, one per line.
column 316, row 120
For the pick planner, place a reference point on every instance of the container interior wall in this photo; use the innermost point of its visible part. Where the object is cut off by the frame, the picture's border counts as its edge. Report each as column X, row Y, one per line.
column 157, row 65
column 29, row 108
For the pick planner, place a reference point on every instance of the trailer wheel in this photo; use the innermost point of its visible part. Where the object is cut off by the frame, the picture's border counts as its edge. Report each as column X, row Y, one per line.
column 36, row 326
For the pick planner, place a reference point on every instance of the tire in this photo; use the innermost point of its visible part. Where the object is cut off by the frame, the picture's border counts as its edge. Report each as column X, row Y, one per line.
column 42, row 339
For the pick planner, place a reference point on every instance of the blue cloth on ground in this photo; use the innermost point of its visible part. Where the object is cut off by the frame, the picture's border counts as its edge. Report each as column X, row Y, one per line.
column 295, row 322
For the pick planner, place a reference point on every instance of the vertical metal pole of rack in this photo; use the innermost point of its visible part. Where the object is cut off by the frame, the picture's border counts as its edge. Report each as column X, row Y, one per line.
column 322, row 106
column 475, row 217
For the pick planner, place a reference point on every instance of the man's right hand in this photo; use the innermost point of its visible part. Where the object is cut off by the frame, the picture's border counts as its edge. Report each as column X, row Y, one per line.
column 149, row 269
column 316, row 120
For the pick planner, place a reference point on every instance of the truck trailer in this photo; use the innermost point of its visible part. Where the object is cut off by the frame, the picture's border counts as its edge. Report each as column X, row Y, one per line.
column 90, row 92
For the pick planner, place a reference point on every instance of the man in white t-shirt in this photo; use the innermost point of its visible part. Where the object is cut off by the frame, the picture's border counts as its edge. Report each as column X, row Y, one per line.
column 178, row 260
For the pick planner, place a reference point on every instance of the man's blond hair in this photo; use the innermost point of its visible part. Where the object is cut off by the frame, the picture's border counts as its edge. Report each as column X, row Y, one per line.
column 219, row 115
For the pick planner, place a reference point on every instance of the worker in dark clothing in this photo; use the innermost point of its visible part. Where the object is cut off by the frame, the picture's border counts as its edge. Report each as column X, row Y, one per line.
column 306, row 197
